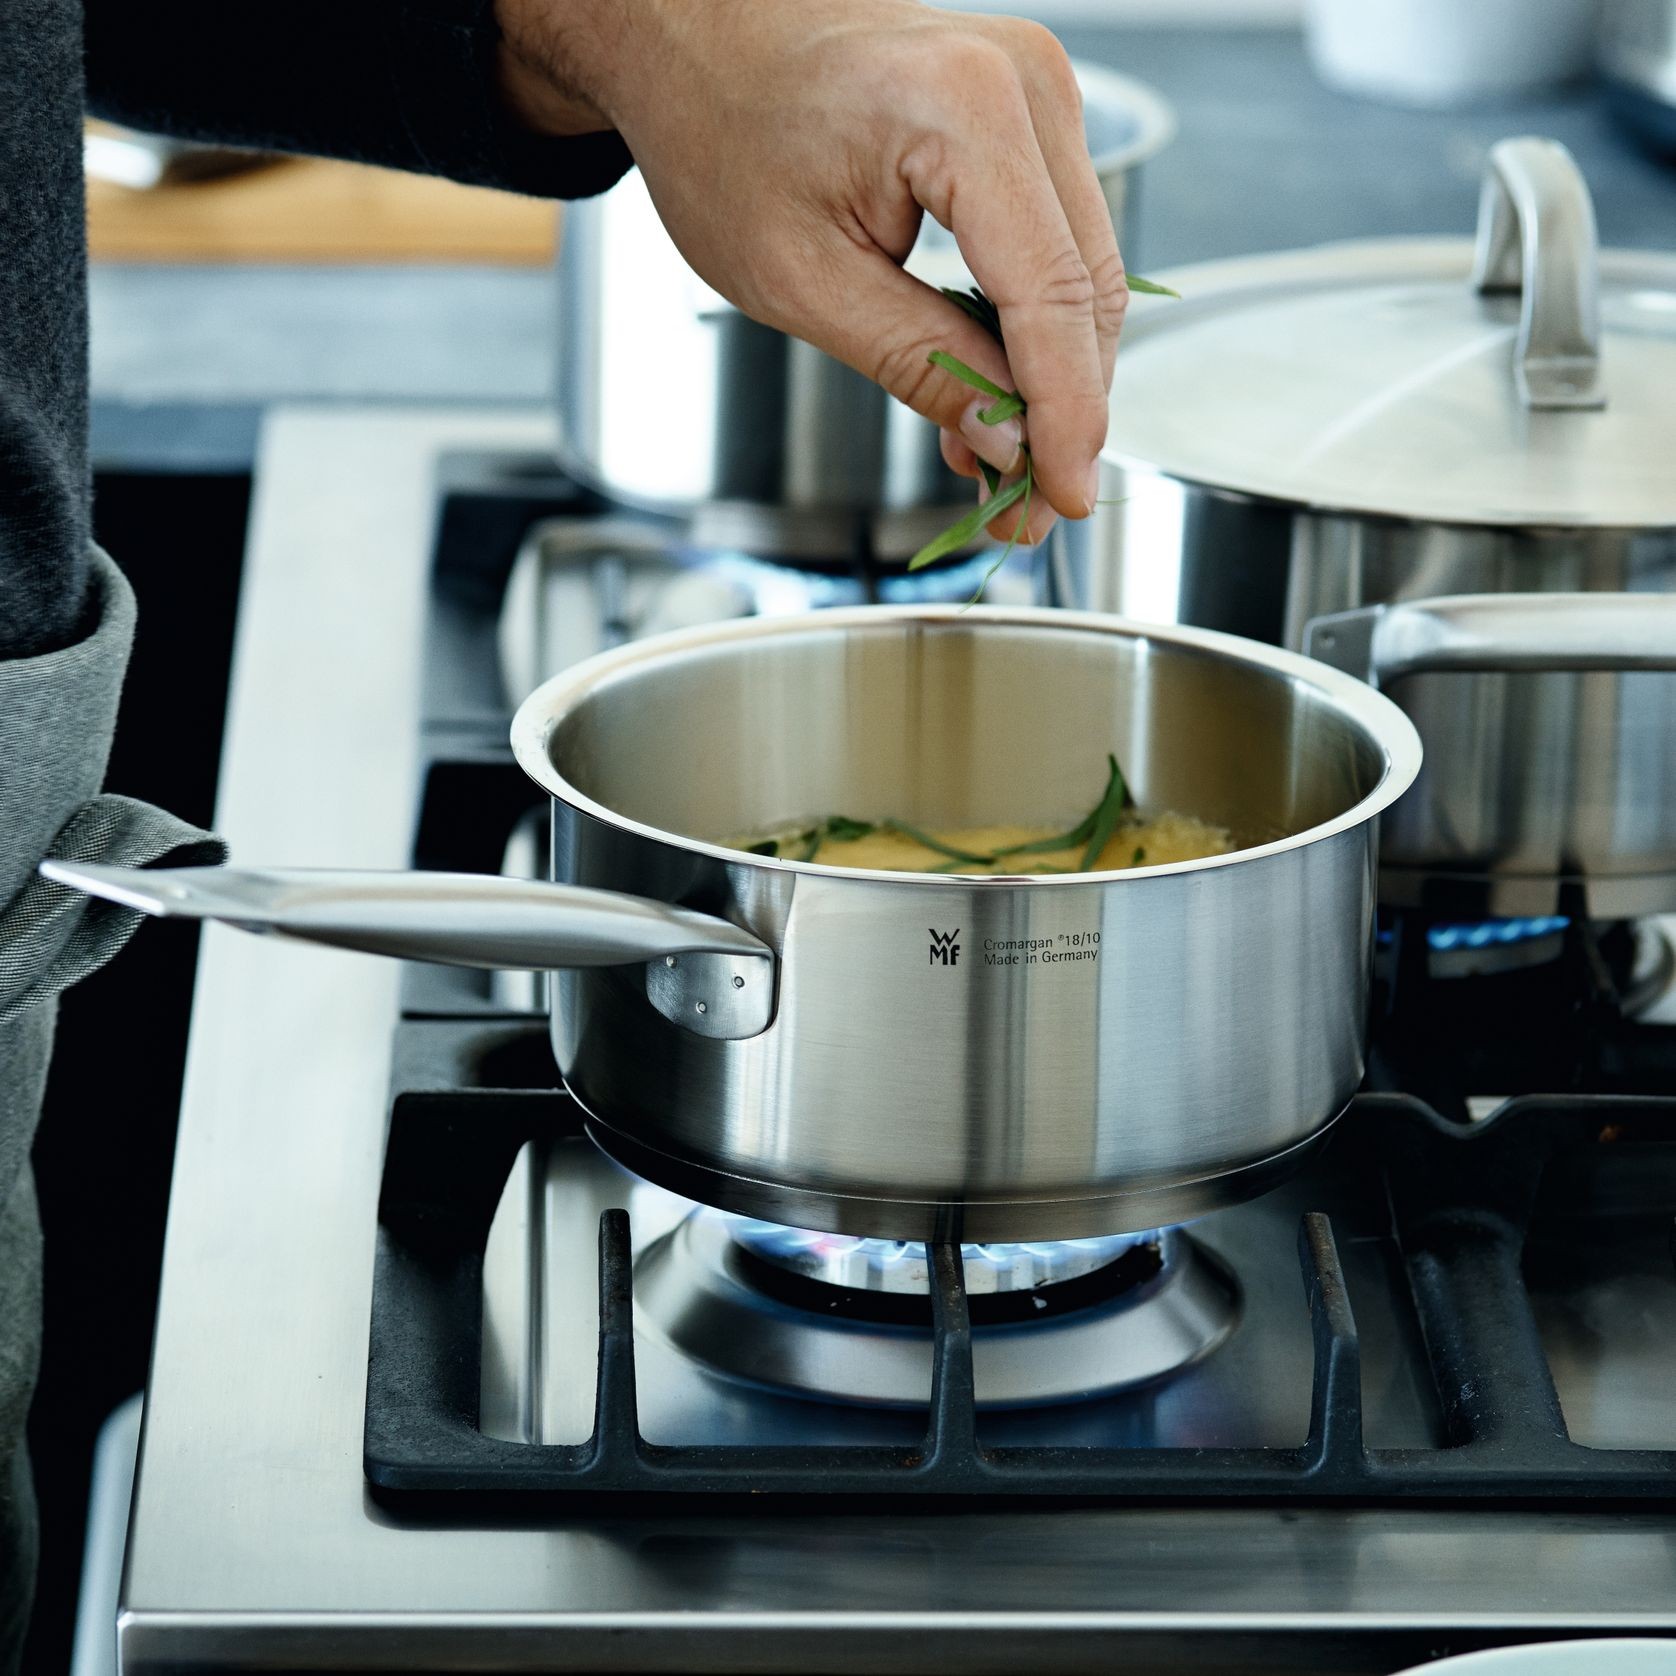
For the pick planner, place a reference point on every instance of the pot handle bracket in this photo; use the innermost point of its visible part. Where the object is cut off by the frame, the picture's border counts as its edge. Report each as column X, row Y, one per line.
column 705, row 974
column 1537, row 237
column 1499, row 634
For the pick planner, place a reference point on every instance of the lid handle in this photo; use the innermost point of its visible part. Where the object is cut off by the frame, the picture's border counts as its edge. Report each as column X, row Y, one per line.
column 1536, row 235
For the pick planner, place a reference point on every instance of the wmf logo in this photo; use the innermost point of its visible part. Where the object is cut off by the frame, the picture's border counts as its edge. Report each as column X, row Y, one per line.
column 945, row 948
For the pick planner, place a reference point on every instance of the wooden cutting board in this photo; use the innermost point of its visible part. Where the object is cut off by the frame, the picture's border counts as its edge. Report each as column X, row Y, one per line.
column 311, row 210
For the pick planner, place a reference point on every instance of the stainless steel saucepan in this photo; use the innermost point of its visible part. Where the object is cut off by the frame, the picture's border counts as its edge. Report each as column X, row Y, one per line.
column 905, row 1054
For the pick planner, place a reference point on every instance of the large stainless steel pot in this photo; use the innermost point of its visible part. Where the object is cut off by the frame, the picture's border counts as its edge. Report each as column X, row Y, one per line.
column 1388, row 423
column 908, row 1054
column 773, row 448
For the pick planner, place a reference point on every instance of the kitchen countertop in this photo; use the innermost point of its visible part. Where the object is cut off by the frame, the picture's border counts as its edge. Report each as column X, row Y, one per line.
column 316, row 210
column 185, row 359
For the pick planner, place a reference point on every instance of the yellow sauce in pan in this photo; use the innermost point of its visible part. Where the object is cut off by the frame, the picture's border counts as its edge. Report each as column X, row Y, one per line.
column 1138, row 841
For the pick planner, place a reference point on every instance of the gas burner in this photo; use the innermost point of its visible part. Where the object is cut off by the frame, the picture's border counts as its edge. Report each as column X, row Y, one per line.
column 582, row 584
column 1636, row 956
column 1476, row 1012
column 849, row 1320
column 1479, row 947
column 899, row 1266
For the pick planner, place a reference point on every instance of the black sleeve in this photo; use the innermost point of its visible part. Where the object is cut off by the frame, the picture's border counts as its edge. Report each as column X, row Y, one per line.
column 408, row 83
column 44, row 564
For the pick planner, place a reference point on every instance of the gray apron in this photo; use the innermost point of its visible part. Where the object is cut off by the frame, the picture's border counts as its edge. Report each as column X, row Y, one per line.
column 57, row 715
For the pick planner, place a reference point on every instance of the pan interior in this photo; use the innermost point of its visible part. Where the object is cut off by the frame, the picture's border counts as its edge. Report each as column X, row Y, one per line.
column 958, row 722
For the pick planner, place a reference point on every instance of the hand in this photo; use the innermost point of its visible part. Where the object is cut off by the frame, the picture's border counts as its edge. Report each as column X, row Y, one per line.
column 791, row 151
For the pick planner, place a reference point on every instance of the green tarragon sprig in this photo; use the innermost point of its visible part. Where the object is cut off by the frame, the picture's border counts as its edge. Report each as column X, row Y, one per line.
column 1005, row 404
column 1091, row 834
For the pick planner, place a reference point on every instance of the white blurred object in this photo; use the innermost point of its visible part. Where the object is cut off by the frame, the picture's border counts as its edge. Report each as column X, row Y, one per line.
column 1560, row 1658
column 1442, row 53
column 143, row 162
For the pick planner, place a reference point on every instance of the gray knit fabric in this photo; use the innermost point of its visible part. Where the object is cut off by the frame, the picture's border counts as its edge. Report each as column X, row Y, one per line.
column 57, row 713
column 51, row 936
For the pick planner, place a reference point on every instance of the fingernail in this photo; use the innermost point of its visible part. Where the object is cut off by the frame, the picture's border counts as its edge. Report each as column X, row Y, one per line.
column 1008, row 479
column 997, row 445
column 1091, row 493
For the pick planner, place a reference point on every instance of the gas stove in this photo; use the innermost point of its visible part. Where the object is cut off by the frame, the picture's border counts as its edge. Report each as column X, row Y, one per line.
column 1410, row 1402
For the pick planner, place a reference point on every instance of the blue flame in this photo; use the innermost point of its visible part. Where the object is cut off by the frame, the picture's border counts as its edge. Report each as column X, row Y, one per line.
column 773, row 1240
column 1494, row 933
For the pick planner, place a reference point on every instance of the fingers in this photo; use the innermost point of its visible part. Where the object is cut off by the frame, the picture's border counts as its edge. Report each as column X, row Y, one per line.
column 890, row 338
column 974, row 160
column 885, row 323
column 1056, row 114
column 961, row 459
column 1001, row 444
column 1046, row 314
column 957, row 456
column 1030, row 525
column 998, row 199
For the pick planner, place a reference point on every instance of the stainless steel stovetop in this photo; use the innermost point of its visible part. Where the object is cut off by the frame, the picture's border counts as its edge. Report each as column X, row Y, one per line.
column 255, row 1542
column 1602, row 1311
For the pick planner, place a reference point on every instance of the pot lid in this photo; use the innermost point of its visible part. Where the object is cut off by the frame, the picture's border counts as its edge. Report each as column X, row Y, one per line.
column 1523, row 379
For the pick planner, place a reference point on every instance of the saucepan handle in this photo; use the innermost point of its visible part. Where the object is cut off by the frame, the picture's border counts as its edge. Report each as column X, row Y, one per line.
column 704, row 973
column 1537, row 239
column 1499, row 634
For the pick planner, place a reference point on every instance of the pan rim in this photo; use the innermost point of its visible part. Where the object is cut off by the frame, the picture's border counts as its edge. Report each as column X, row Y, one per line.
column 1380, row 720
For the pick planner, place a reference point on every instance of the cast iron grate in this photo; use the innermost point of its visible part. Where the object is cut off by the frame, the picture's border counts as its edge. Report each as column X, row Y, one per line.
column 1461, row 1199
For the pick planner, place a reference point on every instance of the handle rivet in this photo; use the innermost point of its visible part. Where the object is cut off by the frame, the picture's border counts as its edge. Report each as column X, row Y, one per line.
column 669, row 960
column 738, row 983
column 701, row 1007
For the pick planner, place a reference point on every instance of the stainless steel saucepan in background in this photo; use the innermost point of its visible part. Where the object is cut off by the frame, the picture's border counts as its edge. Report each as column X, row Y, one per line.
column 772, row 447
column 919, row 1055
column 1406, row 421
column 1550, row 773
